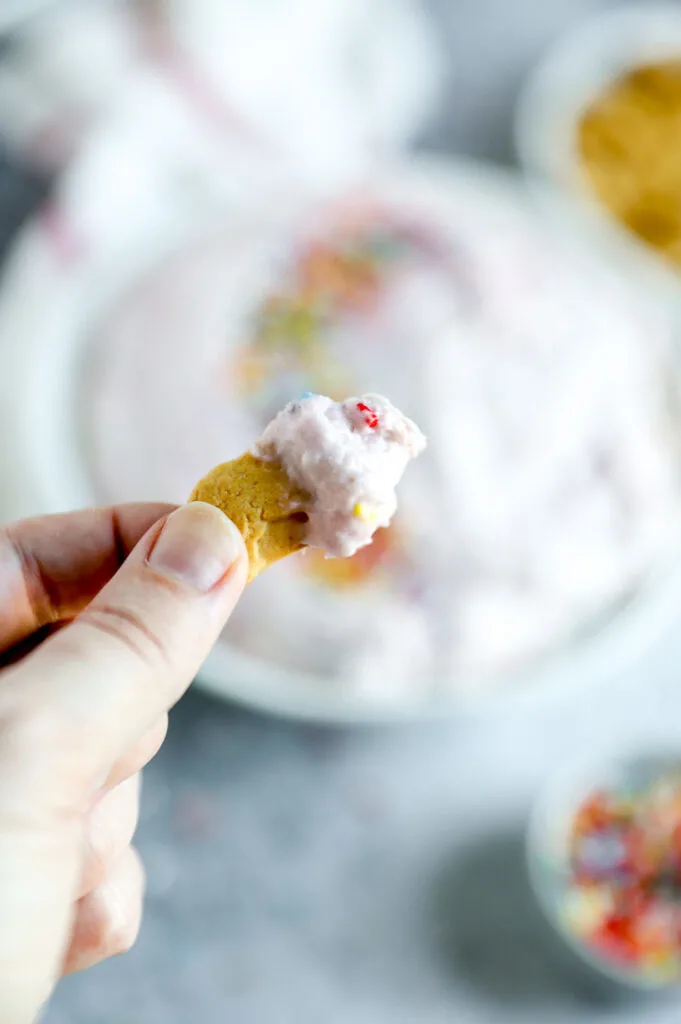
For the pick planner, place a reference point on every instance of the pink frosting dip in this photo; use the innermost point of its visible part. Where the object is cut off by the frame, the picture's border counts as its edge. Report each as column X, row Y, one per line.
column 349, row 456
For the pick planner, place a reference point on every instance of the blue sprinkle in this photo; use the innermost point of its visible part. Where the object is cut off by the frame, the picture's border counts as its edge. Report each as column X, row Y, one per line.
column 307, row 394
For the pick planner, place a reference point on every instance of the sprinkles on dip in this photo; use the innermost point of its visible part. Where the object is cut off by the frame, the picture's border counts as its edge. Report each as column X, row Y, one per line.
column 328, row 281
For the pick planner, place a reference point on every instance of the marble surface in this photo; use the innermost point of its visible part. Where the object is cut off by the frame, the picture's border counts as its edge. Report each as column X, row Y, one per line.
column 306, row 876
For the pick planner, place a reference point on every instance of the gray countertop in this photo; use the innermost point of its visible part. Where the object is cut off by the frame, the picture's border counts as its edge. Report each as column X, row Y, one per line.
column 299, row 875
column 304, row 876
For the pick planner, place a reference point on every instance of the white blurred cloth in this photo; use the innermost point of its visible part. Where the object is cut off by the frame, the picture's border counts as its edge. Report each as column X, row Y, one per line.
column 219, row 95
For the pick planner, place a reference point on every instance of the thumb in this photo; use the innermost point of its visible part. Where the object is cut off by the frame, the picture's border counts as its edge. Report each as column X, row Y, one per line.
column 129, row 656
column 70, row 709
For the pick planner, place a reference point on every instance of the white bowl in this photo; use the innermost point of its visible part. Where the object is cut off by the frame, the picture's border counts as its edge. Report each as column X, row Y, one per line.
column 548, row 830
column 573, row 71
column 47, row 308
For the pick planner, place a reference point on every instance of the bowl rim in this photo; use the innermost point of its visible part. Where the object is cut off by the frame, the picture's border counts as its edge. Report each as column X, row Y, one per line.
column 622, row 637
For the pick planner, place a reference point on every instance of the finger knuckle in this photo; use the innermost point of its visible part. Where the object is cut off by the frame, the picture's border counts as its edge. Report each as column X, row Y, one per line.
column 95, row 866
column 123, row 931
column 112, row 825
column 127, row 628
column 123, row 936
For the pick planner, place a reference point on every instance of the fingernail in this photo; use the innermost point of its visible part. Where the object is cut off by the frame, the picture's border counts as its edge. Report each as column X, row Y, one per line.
column 197, row 545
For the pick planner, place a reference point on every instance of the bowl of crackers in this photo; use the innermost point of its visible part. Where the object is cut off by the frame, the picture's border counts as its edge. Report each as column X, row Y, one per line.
column 599, row 120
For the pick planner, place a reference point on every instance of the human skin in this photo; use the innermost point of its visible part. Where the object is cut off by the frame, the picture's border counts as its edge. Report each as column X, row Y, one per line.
column 105, row 617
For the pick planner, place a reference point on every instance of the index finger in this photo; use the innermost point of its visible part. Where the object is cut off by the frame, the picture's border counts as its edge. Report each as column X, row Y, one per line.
column 51, row 567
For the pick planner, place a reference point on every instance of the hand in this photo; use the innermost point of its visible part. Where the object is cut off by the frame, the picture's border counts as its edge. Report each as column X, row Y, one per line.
column 105, row 617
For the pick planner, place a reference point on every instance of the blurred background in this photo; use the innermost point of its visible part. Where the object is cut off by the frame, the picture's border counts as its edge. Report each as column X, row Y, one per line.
column 441, row 781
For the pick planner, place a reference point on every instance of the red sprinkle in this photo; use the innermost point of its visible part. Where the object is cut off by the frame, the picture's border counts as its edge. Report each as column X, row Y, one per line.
column 370, row 415
column 616, row 937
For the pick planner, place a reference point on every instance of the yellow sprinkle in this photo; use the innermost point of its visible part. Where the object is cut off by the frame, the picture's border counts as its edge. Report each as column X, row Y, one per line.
column 662, row 966
column 362, row 512
column 584, row 910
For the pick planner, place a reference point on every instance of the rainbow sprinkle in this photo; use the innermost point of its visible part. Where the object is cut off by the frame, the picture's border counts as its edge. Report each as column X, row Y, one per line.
column 362, row 511
column 329, row 279
column 370, row 415
column 623, row 897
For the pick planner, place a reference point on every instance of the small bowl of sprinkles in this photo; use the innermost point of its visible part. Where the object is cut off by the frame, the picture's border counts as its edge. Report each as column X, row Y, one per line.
column 604, row 856
column 600, row 120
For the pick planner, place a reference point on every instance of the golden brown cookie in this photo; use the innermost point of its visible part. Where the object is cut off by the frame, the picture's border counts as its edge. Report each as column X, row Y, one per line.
column 261, row 501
